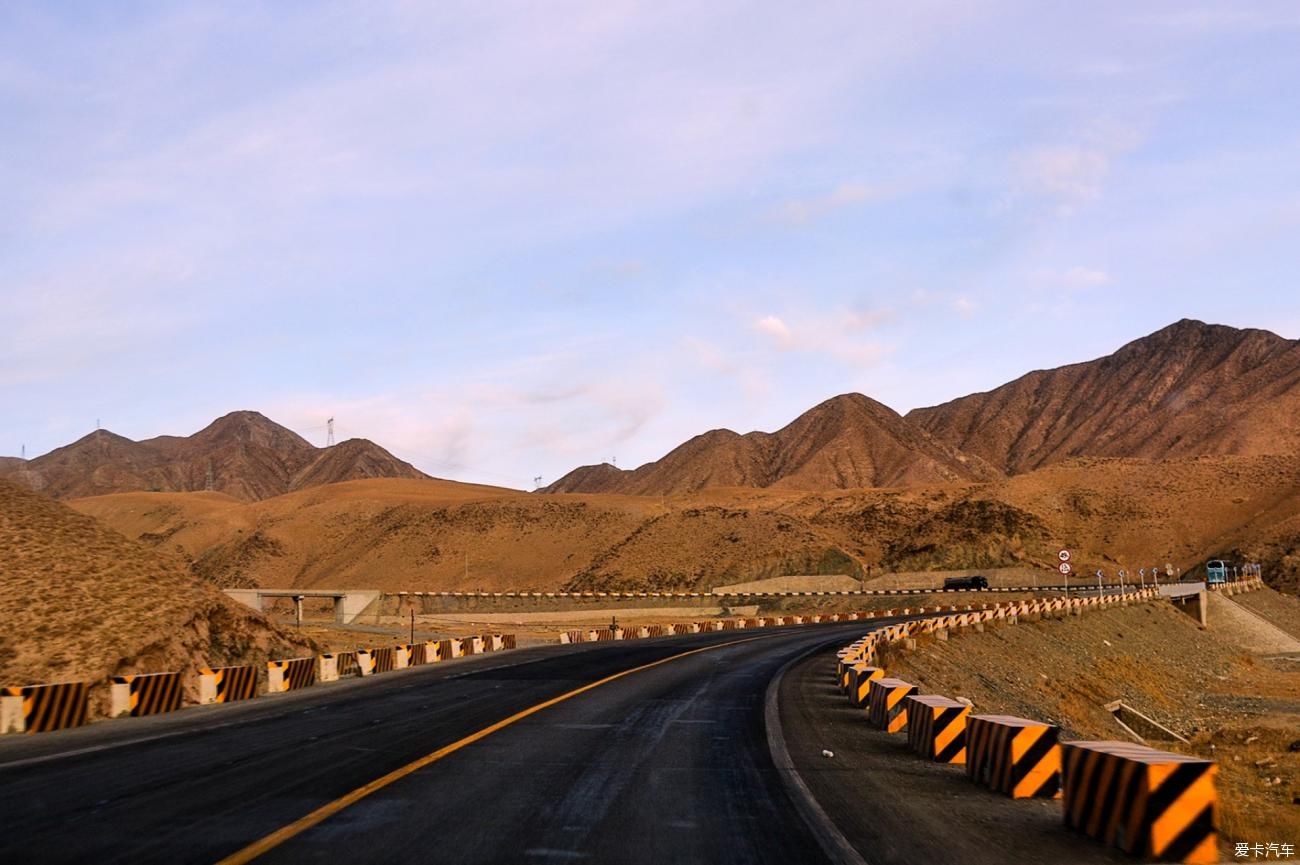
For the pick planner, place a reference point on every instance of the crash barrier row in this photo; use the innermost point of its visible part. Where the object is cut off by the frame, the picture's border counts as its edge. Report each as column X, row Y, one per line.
column 590, row 635
column 1148, row 803
column 1053, row 587
column 1236, row 587
column 40, row 708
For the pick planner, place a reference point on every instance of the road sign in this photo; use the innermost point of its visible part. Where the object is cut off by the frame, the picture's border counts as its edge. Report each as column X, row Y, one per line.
column 1099, row 575
column 1169, row 570
column 1063, row 555
column 1064, row 568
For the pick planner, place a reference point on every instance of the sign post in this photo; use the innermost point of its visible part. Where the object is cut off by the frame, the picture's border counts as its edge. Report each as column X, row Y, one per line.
column 1065, row 568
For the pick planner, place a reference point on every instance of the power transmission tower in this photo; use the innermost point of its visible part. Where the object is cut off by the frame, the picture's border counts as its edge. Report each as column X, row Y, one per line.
column 537, row 482
column 329, row 438
column 208, row 483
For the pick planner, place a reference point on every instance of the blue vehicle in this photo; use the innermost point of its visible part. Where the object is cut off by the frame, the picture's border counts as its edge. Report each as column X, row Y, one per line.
column 1216, row 571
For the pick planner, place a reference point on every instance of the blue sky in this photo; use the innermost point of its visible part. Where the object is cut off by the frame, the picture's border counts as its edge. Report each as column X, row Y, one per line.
column 506, row 239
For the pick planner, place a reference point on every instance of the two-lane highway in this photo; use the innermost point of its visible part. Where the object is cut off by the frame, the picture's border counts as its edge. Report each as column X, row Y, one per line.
column 645, row 751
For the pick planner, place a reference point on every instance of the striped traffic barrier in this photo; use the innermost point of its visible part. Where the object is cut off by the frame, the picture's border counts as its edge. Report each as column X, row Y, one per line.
column 145, row 694
column 227, row 684
column 1012, row 755
column 41, row 708
column 451, row 649
column 290, row 675
column 936, row 728
column 473, row 645
column 860, row 678
column 1147, row 802
column 886, row 706
column 383, row 659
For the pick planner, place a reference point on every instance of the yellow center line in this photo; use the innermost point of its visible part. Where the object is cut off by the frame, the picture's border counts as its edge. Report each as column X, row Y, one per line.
column 324, row 812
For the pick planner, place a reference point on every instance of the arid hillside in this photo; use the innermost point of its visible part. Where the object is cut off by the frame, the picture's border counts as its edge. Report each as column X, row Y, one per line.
column 848, row 442
column 443, row 536
column 81, row 602
column 1191, row 389
column 244, row 454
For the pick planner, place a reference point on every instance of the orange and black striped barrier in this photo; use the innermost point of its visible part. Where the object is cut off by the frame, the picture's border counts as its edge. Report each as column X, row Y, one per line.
column 1149, row 803
column 449, row 649
column 860, row 678
column 1012, row 755
column 290, row 675
column 936, row 728
column 886, row 706
column 383, row 660
column 146, row 694
column 40, row 708
column 227, row 684
column 417, row 654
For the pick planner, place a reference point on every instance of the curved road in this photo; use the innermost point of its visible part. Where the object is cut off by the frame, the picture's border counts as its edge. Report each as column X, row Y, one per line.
column 666, row 763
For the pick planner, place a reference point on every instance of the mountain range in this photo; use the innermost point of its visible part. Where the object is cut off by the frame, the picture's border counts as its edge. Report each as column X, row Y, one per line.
column 243, row 454
column 1190, row 389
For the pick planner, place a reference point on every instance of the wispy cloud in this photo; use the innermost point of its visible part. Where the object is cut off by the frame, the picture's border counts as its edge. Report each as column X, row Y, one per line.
column 802, row 211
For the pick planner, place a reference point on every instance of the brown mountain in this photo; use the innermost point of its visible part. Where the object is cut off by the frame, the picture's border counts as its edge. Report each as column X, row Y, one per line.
column 1190, row 389
column 847, row 442
column 249, row 456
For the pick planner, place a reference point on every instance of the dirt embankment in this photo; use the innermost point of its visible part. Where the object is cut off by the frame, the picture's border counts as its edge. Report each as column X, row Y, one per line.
column 79, row 602
column 1238, row 708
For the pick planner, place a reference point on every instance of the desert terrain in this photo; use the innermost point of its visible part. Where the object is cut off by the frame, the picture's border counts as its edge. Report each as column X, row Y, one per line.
column 410, row 535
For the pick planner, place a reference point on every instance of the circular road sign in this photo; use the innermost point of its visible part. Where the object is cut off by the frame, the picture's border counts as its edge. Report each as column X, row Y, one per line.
column 1064, row 568
column 1063, row 555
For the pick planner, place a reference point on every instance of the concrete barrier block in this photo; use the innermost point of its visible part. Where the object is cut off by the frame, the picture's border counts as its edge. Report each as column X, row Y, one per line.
column 145, row 694
column 11, row 715
column 1167, row 809
column 936, row 728
column 1015, row 756
column 227, row 684
column 48, row 707
column 886, row 709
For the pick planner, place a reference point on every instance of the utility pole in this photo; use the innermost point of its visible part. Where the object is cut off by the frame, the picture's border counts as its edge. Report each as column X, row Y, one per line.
column 329, row 435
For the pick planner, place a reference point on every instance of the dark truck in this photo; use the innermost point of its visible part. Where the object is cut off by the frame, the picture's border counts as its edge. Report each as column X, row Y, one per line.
column 965, row 583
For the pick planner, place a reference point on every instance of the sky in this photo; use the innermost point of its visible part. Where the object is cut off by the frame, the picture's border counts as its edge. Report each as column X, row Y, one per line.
column 507, row 239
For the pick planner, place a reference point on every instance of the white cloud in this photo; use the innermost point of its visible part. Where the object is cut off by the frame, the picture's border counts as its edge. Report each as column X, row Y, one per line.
column 776, row 330
column 1077, row 277
column 839, row 335
column 964, row 306
column 1070, row 176
column 801, row 211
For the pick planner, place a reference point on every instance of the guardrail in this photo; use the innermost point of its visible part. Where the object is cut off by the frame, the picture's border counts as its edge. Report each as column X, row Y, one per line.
column 42, row 708
column 1146, row 802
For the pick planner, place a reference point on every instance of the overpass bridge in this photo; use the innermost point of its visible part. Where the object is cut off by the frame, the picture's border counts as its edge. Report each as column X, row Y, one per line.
column 348, row 603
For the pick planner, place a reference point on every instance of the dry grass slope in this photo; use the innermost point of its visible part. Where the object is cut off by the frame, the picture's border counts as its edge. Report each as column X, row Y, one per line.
column 81, row 602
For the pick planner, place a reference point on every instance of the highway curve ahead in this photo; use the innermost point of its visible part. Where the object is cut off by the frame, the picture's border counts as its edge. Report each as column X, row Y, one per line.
column 666, row 764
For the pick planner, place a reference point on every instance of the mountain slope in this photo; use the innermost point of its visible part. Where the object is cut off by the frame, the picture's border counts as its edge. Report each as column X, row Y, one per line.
column 1189, row 389
column 401, row 535
column 249, row 456
column 847, row 442
column 81, row 602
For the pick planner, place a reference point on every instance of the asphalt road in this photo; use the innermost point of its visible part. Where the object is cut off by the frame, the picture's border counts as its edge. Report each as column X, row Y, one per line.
column 666, row 764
